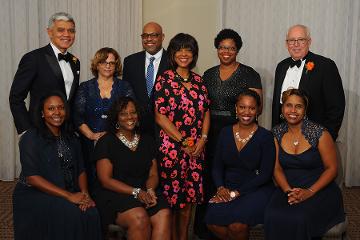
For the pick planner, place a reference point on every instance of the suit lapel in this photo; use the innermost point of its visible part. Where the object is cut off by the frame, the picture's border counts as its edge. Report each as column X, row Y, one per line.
column 75, row 67
column 306, row 75
column 55, row 67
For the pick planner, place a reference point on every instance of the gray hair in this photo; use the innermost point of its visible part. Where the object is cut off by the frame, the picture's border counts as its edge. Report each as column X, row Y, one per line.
column 306, row 29
column 60, row 16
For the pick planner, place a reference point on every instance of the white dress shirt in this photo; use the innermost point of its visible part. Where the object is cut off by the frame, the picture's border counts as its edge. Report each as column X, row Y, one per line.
column 67, row 73
column 156, row 62
column 292, row 78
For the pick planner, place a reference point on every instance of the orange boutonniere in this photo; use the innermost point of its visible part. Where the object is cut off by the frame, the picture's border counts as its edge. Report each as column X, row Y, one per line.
column 309, row 66
column 188, row 142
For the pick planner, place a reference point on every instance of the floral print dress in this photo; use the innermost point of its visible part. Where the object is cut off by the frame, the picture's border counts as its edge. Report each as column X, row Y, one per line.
column 180, row 174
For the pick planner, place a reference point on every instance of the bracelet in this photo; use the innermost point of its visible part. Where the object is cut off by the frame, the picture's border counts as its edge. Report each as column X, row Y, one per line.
column 135, row 192
column 204, row 137
column 311, row 190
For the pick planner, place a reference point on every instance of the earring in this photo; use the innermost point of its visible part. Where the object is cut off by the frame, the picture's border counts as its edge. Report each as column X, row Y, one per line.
column 306, row 117
column 281, row 116
column 256, row 118
column 117, row 126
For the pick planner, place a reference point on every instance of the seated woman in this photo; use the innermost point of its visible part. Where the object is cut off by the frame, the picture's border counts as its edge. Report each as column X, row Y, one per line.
column 128, row 178
column 93, row 101
column 308, row 202
column 242, row 172
column 51, row 199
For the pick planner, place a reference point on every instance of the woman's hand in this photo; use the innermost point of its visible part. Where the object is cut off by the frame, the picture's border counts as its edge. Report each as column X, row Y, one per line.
column 199, row 147
column 96, row 136
column 298, row 195
column 146, row 198
column 189, row 150
column 77, row 198
column 87, row 203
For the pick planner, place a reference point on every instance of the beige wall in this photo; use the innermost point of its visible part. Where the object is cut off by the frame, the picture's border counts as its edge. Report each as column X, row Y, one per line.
column 200, row 18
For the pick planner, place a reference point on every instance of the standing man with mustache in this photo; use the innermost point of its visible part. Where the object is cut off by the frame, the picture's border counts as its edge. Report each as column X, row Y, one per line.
column 141, row 70
column 47, row 69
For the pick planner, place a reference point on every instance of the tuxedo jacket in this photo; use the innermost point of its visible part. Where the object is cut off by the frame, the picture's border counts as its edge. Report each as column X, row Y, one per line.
column 324, row 88
column 134, row 73
column 38, row 73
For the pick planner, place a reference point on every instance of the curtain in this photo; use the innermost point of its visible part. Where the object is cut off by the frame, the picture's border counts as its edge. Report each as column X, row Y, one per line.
column 99, row 23
column 334, row 27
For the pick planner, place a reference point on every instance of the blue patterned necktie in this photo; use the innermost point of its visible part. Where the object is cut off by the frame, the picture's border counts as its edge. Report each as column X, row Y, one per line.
column 150, row 76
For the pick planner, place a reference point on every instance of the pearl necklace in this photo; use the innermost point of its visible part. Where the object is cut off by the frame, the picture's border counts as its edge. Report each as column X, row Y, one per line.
column 130, row 144
column 244, row 140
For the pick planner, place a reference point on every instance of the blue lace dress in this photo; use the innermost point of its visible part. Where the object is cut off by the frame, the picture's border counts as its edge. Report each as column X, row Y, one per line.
column 316, row 215
column 91, row 109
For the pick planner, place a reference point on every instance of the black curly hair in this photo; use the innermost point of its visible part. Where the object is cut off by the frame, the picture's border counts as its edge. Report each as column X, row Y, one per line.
column 228, row 34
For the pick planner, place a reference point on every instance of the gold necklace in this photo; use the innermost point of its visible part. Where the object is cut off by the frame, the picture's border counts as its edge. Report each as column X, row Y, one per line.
column 244, row 140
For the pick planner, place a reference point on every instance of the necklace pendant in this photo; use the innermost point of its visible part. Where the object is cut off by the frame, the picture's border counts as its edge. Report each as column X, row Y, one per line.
column 296, row 142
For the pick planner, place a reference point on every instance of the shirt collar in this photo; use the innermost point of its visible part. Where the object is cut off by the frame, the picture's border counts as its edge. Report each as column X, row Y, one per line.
column 56, row 50
column 156, row 56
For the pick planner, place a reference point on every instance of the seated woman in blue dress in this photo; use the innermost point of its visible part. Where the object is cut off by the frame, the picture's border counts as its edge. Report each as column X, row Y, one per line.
column 242, row 172
column 126, row 191
column 94, row 98
column 308, row 202
column 51, row 199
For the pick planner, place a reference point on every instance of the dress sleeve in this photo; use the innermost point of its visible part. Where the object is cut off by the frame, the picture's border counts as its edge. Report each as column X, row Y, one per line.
column 79, row 109
column 267, row 148
column 161, row 93
column 255, row 80
column 218, row 164
column 102, row 148
column 29, row 154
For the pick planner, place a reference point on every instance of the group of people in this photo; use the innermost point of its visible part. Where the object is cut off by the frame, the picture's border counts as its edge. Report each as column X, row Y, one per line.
column 142, row 151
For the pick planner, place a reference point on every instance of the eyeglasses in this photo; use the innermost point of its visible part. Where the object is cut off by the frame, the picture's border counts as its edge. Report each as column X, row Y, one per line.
column 105, row 64
column 228, row 49
column 151, row 35
column 300, row 41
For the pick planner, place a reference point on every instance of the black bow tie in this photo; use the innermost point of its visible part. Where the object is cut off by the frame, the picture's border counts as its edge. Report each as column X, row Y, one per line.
column 295, row 63
column 65, row 57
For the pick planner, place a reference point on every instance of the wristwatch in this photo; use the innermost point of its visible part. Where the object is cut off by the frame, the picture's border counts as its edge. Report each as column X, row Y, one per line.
column 135, row 192
column 232, row 194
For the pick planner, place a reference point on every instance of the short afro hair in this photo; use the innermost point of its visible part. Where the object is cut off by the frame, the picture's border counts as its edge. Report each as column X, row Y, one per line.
column 228, row 34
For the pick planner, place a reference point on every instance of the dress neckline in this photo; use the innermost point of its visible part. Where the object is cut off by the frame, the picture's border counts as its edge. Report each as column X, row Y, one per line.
column 230, row 77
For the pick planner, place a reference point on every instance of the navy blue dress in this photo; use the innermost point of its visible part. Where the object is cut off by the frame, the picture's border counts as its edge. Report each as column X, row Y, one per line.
column 316, row 215
column 92, row 110
column 41, row 216
column 248, row 171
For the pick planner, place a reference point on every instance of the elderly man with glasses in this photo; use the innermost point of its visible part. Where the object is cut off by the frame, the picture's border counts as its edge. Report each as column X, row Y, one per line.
column 316, row 75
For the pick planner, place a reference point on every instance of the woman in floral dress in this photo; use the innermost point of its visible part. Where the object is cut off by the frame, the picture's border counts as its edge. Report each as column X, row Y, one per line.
column 181, row 111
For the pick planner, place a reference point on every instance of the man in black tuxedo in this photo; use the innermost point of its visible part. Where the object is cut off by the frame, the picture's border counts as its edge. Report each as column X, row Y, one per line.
column 141, row 70
column 316, row 75
column 50, row 68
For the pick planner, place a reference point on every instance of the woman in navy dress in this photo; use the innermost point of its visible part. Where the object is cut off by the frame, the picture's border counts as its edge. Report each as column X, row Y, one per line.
column 308, row 202
column 51, row 199
column 94, row 98
column 242, row 172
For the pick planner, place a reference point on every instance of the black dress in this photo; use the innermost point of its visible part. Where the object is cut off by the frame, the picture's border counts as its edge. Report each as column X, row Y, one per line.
column 249, row 171
column 316, row 215
column 41, row 216
column 130, row 167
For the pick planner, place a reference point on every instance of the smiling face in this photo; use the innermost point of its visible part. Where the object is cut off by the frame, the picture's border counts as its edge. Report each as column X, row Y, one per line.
column 227, row 51
column 62, row 34
column 297, row 42
column 128, row 118
column 106, row 68
column 293, row 109
column 54, row 113
column 152, row 38
column 246, row 110
column 183, row 58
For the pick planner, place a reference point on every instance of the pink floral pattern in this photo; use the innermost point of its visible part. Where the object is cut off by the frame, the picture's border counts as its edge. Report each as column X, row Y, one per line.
column 180, row 174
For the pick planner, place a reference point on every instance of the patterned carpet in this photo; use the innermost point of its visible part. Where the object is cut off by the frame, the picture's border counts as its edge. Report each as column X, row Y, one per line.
column 351, row 201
